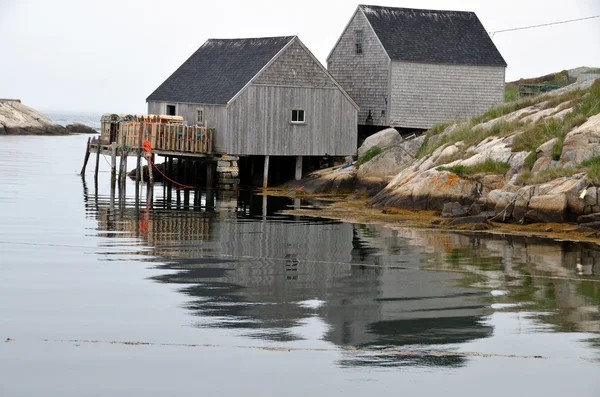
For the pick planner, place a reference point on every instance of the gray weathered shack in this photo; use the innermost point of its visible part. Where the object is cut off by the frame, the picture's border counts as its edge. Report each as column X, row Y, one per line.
column 263, row 96
column 413, row 68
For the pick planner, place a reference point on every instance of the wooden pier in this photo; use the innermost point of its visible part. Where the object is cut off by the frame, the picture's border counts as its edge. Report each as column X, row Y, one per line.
column 147, row 136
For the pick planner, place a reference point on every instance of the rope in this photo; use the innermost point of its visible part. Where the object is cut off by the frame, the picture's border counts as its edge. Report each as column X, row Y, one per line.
column 147, row 148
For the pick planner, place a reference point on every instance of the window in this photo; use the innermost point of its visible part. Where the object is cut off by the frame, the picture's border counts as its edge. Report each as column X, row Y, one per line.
column 297, row 116
column 358, row 36
column 200, row 116
column 170, row 110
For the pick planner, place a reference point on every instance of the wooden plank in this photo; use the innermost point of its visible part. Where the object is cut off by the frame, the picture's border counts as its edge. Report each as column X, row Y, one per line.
column 86, row 157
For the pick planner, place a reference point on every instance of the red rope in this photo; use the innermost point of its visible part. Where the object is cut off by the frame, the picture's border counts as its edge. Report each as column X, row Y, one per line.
column 166, row 177
column 147, row 147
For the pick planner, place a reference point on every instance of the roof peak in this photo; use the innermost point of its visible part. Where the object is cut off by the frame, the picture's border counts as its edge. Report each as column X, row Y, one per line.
column 254, row 38
column 366, row 7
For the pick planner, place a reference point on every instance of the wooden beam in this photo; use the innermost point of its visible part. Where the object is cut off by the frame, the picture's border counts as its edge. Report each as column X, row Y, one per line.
column 97, row 162
column 209, row 174
column 86, row 157
column 123, row 165
column 113, row 162
column 266, row 173
column 298, row 168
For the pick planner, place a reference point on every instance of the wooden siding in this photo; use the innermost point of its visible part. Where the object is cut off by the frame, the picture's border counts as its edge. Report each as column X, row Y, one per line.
column 295, row 67
column 215, row 116
column 365, row 77
column 425, row 94
column 260, row 122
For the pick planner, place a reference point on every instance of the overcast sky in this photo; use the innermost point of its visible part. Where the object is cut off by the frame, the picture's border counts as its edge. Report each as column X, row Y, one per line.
column 108, row 56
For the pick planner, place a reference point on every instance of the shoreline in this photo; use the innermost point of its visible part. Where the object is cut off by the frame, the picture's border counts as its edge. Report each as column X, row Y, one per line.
column 357, row 211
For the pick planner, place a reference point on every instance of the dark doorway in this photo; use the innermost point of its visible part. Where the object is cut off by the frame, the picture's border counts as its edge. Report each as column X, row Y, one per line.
column 170, row 110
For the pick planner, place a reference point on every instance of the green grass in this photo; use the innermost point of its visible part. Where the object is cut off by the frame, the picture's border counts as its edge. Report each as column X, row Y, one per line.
column 584, row 103
column 511, row 93
column 369, row 154
column 547, row 175
column 593, row 161
column 530, row 160
column 593, row 175
column 466, row 134
column 489, row 166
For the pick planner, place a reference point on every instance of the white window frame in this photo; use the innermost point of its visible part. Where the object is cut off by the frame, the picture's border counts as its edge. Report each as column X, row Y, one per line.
column 200, row 116
column 298, row 121
column 359, row 40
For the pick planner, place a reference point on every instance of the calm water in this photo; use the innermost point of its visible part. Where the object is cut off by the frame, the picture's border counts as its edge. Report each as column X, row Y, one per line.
column 102, row 297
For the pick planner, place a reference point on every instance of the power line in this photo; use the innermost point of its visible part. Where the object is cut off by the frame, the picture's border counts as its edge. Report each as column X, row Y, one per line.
column 544, row 24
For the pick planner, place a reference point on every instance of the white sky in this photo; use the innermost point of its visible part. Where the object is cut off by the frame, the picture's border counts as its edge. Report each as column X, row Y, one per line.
column 109, row 55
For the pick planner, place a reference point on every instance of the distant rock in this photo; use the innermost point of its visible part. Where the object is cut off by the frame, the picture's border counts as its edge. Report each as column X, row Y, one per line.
column 80, row 128
column 18, row 119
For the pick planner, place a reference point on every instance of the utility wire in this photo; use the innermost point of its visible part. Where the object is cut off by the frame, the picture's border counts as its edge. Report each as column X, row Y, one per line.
column 544, row 24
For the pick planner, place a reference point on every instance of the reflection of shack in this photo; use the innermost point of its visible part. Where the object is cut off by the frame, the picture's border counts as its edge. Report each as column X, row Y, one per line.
column 156, row 228
column 266, row 269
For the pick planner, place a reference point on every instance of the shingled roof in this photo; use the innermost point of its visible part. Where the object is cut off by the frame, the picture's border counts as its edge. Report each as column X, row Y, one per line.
column 430, row 36
column 218, row 70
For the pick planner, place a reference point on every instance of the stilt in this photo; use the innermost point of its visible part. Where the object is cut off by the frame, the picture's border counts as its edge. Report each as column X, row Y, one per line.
column 210, row 198
column 186, row 199
column 150, row 170
column 266, row 173
column 180, row 173
column 113, row 162
column 97, row 162
column 169, row 173
column 139, row 177
column 209, row 174
column 86, row 157
column 123, row 165
column 298, row 168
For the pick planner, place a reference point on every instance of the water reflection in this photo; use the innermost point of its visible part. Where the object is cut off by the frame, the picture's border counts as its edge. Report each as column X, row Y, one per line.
column 283, row 279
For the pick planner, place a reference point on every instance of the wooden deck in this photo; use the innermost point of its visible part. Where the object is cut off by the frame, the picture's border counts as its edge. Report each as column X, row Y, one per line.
column 166, row 139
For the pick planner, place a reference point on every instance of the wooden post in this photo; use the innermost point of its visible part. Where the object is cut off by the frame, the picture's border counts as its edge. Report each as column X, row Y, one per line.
column 150, row 169
column 298, row 168
column 123, row 165
column 266, row 173
column 169, row 173
column 113, row 162
column 97, row 161
column 138, row 177
column 209, row 174
column 86, row 157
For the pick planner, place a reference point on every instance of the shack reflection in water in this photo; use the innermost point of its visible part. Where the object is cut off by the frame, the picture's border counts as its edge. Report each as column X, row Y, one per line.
column 247, row 269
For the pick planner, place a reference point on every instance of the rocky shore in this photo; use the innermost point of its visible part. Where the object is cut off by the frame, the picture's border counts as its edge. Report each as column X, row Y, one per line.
column 536, row 160
column 18, row 119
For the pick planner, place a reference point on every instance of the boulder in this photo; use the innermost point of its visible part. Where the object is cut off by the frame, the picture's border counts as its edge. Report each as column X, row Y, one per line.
column 80, row 128
column 383, row 140
column 571, row 187
column 454, row 210
column 588, row 218
column 547, row 208
column 501, row 201
column 582, row 143
column 428, row 190
column 545, row 149
column 522, row 202
column 388, row 164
